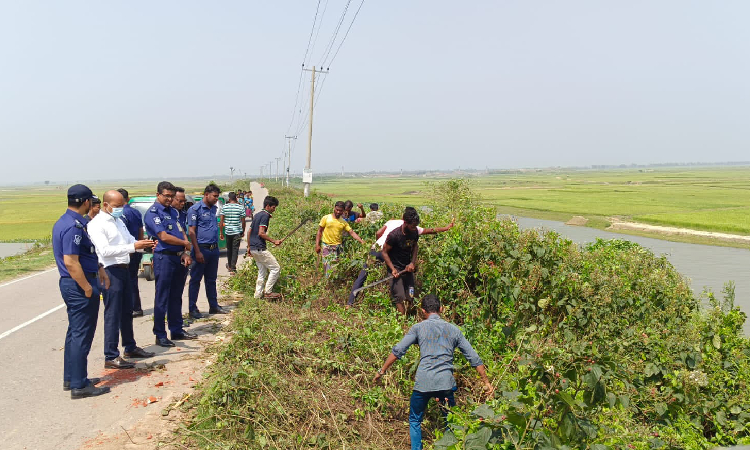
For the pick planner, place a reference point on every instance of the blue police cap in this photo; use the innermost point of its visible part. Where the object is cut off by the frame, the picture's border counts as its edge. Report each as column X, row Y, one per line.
column 79, row 193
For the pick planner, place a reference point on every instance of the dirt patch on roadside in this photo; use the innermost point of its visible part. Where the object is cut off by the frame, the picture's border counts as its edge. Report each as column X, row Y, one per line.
column 619, row 224
column 163, row 389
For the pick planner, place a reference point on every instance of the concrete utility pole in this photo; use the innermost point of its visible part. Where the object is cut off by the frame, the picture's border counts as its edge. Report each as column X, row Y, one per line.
column 261, row 172
column 289, row 157
column 277, row 167
column 307, row 174
column 270, row 170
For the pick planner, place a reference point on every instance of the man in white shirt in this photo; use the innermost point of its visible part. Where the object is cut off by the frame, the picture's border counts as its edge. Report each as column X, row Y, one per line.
column 382, row 235
column 114, row 244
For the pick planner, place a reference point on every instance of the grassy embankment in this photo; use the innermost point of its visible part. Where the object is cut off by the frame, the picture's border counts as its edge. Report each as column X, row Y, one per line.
column 597, row 347
column 703, row 199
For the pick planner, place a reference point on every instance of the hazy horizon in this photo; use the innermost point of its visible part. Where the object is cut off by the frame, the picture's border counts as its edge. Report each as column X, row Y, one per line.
column 110, row 91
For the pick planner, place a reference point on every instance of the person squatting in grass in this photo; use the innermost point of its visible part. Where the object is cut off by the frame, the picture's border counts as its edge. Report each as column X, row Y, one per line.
column 382, row 235
column 400, row 255
column 437, row 340
column 330, row 232
column 256, row 247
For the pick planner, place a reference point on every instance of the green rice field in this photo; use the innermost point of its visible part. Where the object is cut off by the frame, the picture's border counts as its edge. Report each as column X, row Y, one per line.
column 712, row 199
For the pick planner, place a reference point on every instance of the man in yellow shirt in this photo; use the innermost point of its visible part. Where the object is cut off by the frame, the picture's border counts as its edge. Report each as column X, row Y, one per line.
column 331, row 231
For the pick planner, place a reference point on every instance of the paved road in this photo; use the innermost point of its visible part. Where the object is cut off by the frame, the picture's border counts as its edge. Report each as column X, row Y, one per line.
column 35, row 413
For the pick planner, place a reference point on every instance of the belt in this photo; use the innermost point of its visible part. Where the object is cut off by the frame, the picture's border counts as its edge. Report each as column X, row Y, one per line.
column 85, row 274
column 117, row 266
column 209, row 246
column 169, row 252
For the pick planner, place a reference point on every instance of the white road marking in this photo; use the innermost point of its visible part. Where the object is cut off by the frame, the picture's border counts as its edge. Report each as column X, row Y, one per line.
column 26, row 278
column 40, row 316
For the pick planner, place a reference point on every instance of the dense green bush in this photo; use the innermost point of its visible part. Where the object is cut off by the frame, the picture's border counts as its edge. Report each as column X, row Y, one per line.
column 602, row 346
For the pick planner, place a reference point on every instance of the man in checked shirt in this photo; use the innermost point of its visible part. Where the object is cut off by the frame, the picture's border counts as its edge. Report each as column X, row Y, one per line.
column 437, row 340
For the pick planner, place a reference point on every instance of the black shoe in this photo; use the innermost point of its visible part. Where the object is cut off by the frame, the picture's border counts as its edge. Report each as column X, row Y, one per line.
column 118, row 363
column 217, row 310
column 92, row 381
column 137, row 313
column 196, row 314
column 184, row 336
column 164, row 342
column 89, row 391
column 139, row 353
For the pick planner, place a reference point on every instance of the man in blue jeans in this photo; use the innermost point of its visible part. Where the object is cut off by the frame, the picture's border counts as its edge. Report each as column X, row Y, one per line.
column 204, row 235
column 437, row 340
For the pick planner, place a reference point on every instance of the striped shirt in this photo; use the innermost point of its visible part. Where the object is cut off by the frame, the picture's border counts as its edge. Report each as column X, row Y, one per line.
column 233, row 214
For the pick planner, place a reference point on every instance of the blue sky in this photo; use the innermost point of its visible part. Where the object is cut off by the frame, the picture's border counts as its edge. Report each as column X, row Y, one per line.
column 98, row 90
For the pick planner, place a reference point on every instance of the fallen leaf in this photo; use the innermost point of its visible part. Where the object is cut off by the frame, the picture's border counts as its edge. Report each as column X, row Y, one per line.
column 159, row 384
column 152, row 399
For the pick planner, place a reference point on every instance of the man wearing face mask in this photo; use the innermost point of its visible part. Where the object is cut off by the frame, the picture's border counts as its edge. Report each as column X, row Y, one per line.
column 114, row 244
column 76, row 262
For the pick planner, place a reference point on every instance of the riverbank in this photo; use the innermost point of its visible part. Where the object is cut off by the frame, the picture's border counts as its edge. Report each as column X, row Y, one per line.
column 629, row 228
column 35, row 260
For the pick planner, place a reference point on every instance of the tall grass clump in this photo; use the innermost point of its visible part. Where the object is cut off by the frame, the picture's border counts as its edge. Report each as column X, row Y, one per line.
column 601, row 346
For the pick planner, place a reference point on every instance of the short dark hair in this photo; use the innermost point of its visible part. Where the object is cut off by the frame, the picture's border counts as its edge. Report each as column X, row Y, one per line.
column 164, row 186
column 96, row 201
column 411, row 216
column 338, row 205
column 212, row 188
column 124, row 193
column 179, row 189
column 233, row 196
column 249, row 192
column 270, row 201
column 430, row 303
column 374, row 207
column 348, row 204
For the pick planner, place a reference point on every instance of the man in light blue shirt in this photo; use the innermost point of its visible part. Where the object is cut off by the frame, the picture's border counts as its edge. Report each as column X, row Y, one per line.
column 437, row 340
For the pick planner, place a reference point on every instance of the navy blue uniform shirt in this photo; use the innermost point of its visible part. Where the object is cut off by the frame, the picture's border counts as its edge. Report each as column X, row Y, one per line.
column 182, row 218
column 203, row 218
column 69, row 237
column 132, row 219
column 164, row 218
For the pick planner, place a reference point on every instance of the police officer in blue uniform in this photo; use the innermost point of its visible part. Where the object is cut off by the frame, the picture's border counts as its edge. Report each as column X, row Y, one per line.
column 133, row 221
column 204, row 235
column 79, row 269
column 170, row 261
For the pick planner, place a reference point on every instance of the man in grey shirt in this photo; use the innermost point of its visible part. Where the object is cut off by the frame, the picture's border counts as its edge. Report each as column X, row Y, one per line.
column 437, row 340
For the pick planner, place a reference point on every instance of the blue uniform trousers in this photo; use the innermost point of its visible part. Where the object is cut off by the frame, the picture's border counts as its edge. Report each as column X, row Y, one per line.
column 82, row 316
column 417, row 407
column 170, row 283
column 133, row 268
column 208, row 270
column 118, row 313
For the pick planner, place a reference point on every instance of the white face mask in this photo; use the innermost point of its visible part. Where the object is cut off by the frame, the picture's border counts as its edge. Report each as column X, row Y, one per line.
column 116, row 212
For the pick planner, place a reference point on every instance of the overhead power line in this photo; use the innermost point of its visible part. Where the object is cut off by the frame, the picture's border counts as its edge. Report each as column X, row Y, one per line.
column 346, row 34
column 304, row 58
column 329, row 47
